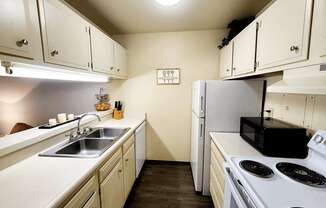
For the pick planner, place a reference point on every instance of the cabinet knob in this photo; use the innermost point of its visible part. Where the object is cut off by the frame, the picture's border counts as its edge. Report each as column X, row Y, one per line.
column 294, row 48
column 127, row 160
column 118, row 70
column 120, row 171
column 111, row 68
column 22, row 42
column 234, row 69
column 228, row 70
column 55, row 52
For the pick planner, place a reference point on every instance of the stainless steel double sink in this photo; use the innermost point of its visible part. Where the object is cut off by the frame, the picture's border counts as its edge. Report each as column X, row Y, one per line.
column 91, row 145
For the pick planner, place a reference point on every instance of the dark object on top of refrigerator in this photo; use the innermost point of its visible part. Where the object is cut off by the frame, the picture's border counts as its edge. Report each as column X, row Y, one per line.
column 236, row 26
column 274, row 138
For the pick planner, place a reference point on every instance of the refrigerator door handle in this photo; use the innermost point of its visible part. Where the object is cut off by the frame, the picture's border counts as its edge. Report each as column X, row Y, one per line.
column 201, row 104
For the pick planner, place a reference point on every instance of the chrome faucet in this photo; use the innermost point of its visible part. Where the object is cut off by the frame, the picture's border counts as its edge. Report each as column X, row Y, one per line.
column 79, row 132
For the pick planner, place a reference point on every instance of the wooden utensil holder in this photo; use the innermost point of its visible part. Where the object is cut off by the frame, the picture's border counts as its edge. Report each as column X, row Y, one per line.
column 117, row 114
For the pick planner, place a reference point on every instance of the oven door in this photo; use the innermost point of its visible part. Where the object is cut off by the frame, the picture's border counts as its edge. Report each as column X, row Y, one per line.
column 234, row 194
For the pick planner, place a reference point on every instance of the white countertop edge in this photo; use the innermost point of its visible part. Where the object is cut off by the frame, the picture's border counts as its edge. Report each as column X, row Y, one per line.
column 20, row 140
column 70, row 189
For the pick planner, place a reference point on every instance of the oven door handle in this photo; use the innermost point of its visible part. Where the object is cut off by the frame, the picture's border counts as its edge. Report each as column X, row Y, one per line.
column 235, row 193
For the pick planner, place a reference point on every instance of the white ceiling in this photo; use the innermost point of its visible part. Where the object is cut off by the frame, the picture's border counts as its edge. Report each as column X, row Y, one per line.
column 139, row 16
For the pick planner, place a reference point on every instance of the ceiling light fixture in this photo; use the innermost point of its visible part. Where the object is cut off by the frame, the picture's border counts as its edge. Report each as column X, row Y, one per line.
column 167, row 2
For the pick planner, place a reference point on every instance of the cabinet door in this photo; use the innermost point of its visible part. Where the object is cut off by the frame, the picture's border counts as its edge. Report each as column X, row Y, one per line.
column 112, row 194
column 244, row 50
column 318, row 32
column 65, row 35
column 102, row 51
column 129, row 167
column 93, row 202
column 226, row 56
column 283, row 34
column 19, row 28
column 87, row 195
column 120, row 55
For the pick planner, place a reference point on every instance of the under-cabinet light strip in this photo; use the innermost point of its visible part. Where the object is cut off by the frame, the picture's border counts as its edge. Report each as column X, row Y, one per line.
column 43, row 72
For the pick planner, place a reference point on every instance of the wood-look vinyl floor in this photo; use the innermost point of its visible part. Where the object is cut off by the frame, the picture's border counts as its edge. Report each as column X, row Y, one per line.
column 166, row 185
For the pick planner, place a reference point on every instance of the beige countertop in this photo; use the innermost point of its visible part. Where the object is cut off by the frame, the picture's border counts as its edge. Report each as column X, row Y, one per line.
column 232, row 144
column 47, row 181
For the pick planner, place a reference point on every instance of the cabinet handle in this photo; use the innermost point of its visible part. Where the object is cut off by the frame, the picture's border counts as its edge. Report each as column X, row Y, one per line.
column 294, row 48
column 55, row 52
column 118, row 70
column 228, row 70
column 111, row 68
column 234, row 69
column 22, row 42
column 127, row 160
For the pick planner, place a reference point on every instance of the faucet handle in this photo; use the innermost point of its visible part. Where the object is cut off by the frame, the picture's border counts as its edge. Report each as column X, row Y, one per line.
column 71, row 135
column 87, row 130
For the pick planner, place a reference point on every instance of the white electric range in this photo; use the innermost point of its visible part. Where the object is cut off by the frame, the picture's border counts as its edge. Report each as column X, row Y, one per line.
column 265, row 182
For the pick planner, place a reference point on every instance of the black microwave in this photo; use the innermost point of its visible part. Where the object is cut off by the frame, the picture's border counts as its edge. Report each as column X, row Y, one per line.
column 274, row 138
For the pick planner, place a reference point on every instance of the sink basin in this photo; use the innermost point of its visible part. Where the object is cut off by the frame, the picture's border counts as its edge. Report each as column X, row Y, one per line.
column 109, row 133
column 86, row 147
column 91, row 145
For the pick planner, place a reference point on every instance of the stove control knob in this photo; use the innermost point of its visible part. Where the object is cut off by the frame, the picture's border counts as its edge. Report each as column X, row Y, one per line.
column 318, row 139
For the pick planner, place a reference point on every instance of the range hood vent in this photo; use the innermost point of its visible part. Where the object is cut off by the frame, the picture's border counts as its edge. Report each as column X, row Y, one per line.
column 308, row 80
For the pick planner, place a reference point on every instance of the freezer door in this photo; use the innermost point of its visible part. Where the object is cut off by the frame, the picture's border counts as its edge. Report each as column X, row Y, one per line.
column 197, row 150
column 198, row 98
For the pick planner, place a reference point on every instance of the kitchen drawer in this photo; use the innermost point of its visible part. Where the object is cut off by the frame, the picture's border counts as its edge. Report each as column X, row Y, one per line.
column 128, row 144
column 109, row 165
column 217, row 169
column 216, row 190
column 86, row 193
column 93, row 202
column 217, row 154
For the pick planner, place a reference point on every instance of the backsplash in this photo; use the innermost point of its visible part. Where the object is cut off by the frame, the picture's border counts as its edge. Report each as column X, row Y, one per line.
column 33, row 101
column 308, row 111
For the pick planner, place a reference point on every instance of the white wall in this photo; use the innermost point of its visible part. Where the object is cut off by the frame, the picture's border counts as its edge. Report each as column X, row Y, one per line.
column 168, row 108
column 34, row 101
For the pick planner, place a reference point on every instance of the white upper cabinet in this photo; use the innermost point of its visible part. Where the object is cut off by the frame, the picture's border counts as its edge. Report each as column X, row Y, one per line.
column 120, row 57
column 66, row 37
column 244, row 50
column 283, row 35
column 318, row 32
column 226, row 55
column 20, row 34
column 102, row 51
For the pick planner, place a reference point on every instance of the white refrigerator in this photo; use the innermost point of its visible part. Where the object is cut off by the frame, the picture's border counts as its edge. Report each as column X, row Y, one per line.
column 217, row 106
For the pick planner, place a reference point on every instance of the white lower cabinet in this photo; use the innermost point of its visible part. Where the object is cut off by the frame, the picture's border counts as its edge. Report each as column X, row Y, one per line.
column 129, row 167
column 20, row 34
column 112, row 193
column 111, row 184
column 87, row 196
column 217, row 176
column 66, row 38
column 283, row 35
column 118, row 175
column 244, row 50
